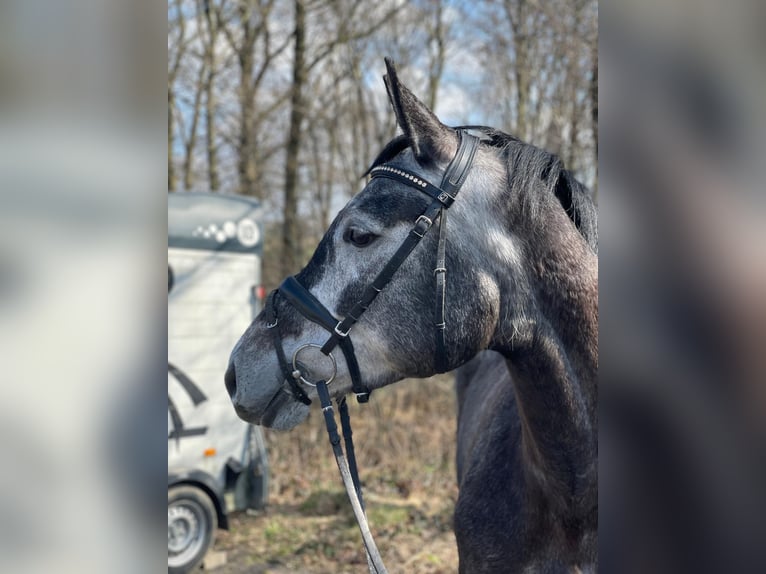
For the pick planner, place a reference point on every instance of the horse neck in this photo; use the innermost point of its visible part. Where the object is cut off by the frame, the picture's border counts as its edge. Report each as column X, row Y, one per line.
column 551, row 348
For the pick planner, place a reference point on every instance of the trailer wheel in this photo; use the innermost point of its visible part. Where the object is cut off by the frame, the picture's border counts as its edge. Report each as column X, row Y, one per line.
column 192, row 523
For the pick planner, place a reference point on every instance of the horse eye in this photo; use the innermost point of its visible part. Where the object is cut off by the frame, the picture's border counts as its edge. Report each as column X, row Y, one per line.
column 358, row 237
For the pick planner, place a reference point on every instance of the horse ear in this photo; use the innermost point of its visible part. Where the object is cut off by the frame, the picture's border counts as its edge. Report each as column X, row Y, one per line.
column 431, row 141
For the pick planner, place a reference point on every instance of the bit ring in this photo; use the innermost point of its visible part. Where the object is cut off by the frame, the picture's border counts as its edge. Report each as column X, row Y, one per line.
column 297, row 372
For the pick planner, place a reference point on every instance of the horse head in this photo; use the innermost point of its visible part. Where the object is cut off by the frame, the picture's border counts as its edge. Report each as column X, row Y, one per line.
column 513, row 199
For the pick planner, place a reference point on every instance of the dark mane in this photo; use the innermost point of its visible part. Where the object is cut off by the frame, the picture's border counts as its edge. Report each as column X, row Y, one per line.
column 527, row 166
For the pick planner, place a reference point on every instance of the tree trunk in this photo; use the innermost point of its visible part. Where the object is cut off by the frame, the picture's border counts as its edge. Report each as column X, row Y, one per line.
column 291, row 256
column 246, row 161
column 574, row 84
column 212, row 25
column 172, row 74
column 436, row 67
column 517, row 17
column 191, row 141
column 171, row 113
column 361, row 125
column 212, row 151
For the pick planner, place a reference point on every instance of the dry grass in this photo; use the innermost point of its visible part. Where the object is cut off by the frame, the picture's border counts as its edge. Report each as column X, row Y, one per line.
column 405, row 446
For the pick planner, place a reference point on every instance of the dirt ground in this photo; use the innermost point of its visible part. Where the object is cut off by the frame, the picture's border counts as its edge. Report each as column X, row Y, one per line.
column 405, row 442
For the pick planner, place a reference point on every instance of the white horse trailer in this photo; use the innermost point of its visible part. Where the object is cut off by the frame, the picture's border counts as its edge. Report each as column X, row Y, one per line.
column 216, row 462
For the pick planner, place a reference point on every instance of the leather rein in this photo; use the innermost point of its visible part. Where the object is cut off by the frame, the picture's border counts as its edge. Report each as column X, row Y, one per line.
column 312, row 309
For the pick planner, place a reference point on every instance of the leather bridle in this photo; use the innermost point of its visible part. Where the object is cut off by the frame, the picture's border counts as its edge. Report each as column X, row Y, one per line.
column 312, row 309
column 443, row 196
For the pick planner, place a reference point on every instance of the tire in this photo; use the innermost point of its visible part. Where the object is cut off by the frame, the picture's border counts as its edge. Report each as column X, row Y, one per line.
column 192, row 522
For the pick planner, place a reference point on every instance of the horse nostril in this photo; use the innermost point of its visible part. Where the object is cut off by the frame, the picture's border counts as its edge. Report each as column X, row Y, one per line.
column 230, row 380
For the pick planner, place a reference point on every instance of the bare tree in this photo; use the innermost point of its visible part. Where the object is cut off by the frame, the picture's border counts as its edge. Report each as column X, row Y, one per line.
column 190, row 139
column 177, row 44
column 292, row 115
column 254, row 46
column 340, row 30
column 437, row 39
column 524, row 24
column 323, row 147
column 537, row 68
column 290, row 240
column 209, row 16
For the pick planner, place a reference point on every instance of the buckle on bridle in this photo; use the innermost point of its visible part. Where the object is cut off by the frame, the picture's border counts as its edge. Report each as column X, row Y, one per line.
column 422, row 224
column 446, row 199
column 339, row 332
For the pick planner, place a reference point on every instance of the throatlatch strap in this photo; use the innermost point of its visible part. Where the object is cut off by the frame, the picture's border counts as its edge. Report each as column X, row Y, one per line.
column 440, row 271
column 453, row 179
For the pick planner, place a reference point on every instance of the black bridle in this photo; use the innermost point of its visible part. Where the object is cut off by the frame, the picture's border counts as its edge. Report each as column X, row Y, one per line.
column 312, row 309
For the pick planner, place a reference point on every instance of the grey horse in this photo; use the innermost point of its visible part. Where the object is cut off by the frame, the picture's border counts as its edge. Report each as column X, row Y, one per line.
column 522, row 281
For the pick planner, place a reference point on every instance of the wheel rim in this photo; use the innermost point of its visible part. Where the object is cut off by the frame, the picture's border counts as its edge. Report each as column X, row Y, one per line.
column 187, row 528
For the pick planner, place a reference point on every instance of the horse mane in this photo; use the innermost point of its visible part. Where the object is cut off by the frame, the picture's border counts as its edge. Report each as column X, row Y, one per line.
column 527, row 166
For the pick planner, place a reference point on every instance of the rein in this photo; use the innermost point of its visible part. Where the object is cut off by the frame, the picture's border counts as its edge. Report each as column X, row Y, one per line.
column 312, row 309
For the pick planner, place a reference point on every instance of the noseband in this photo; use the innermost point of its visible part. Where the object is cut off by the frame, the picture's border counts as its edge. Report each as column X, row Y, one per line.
column 312, row 309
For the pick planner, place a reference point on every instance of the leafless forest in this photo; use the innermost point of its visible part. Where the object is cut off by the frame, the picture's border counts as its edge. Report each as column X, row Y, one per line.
column 283, row 100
